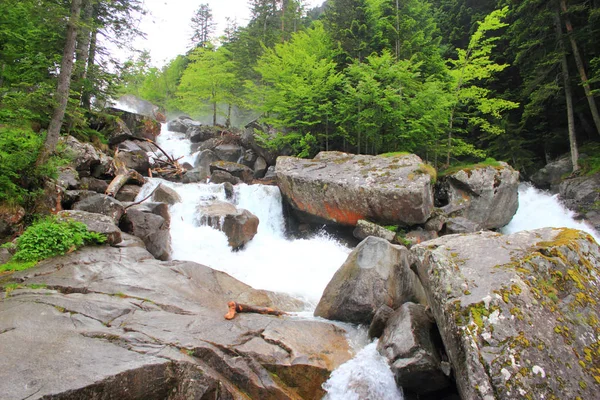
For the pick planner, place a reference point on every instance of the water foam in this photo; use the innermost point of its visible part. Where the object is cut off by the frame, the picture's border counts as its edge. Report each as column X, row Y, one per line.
column 540, row 209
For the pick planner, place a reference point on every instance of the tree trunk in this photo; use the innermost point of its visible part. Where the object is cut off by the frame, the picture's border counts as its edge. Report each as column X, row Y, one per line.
column 86, row 96
column 64, row 84
column 82, row 52
column 122, row 175
column 581, row 68
column 568, row 94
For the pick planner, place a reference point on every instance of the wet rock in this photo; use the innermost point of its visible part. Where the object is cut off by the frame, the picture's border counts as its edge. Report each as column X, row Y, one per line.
column 581, row 195
column 239, row 225
column 487, row 196
column 239, row 171
column 550, row 177
column 515, row 311
column 164, row 194
column 380, row 319
column 95, row 223
column 205, row 158
column 128, row 193
column 140, row 126
column 153, row 229
column 122, row 325
column 365, row 229
column 137, row 160
column 260, row 168
column 343, row 188
column 180, row 124
column 249, row 158
column 412, row 350
column 462, row 225
column 229, row 152
column 101, row 204
column 229, row 190
column 198, row 174
column 202, row 133
column 128, row 240
column 129, row 145
column 375, row 273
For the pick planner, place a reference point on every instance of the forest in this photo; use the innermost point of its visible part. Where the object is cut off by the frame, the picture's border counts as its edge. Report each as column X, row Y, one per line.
column 453, row 81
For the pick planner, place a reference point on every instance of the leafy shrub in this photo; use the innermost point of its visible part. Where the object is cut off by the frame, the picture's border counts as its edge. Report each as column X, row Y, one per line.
column 50, row 237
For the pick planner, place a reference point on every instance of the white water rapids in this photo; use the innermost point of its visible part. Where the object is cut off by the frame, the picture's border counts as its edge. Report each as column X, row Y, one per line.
column 303, row 267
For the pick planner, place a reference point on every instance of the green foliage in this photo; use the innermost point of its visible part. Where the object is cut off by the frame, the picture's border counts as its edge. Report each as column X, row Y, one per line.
column 48, row 238
column 488, row 162
column 590, row 164
column 20, row 177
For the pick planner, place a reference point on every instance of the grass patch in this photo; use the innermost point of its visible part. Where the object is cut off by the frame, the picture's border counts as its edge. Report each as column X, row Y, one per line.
column 47, row 238
column 590, row 165
column 427, row 169
column 488, row 162
column 395, row 154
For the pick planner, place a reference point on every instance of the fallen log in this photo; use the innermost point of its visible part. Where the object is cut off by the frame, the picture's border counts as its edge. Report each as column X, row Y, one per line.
column 122, row 176
column 235, row 308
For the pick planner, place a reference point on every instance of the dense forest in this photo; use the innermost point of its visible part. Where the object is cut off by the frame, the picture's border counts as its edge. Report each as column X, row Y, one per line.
column 450, row 80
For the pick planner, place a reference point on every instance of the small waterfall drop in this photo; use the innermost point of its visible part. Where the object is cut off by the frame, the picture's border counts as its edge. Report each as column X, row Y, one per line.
column 540, row 209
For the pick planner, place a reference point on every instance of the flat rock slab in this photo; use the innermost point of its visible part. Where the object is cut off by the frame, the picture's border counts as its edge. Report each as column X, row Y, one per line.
column 517, row 313
column 343, row 188
column 119, row 324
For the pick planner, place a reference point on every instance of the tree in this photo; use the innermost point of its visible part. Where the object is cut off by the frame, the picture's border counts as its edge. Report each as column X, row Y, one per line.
column 209, row 79
column 202, row 25
column 474, row 65
column 64, row 83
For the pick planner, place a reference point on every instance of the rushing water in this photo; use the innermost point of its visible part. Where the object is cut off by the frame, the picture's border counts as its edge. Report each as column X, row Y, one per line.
column 303, row 267
column 540, row 209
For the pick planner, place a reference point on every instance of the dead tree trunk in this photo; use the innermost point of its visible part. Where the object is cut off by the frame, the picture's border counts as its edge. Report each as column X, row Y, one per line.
column 122, row 176
column 235, row 308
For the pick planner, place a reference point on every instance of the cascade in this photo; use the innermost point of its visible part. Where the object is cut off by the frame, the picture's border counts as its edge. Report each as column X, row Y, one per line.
column 301, row 268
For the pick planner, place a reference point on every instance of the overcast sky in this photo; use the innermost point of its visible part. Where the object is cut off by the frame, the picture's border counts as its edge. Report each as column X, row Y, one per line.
column 167, row 25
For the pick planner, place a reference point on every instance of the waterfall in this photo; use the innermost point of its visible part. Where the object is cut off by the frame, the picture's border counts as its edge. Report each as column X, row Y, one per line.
column 540, row 209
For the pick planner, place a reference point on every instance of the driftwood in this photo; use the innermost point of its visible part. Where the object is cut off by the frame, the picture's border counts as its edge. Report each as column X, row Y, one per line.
column 167, row 168
column 122, row 176
column 235, row 308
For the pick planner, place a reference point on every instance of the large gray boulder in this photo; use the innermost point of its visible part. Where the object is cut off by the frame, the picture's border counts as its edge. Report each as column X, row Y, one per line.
column 138, row 160
column 164, row 194
column 343, row 188
column 101, row 204
column 197, row 133
column 376, row 273
column 87, row 160
column 140, row 126
column 238, row 170
column 410, row 344
column 95, row 223
column 550, row 177
column 487, row 195
column 517, row 313
column 581, row 195
column 239, row 225
column 229, row 152
column 151, row 227
column 119, row 324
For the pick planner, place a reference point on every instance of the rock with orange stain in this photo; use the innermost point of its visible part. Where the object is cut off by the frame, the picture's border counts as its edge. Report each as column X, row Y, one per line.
column 341, row 188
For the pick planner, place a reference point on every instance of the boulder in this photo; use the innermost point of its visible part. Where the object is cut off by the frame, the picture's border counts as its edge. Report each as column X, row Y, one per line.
column 251, row 140
column 130, row 145
column 260, row 167
column 462, row 225
column 140, row 106
column 249, row 158
column 119, row 324
column 209, row 144
column 220, row 176
column 139, row 125
column 239, row 225
column 95, row 223
column 86, row 159
column 419, row 235
column 342, row 188
column 116, row 131
column 581, row 195
column 365, row 229
column 180, row 124
column 101, row 204
column 380, row 319
column 164, row 194
column 410, row 343
column 205, row 158
column 200, row 133
column 68, row 178
column 11, row 217
column 128, row 193
column 229, row 152
column 550, row 177
column 198, row 174
column 375, row 273
column 137, row 160
column 71, row 197
column 486, row 195
column 238, row 170
column 152, row 228
column 517, row 313
column 93, row 184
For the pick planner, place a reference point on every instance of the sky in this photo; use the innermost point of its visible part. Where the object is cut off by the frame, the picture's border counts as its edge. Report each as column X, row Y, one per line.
column 167, row 25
